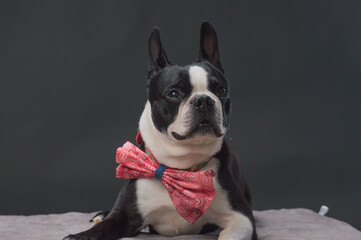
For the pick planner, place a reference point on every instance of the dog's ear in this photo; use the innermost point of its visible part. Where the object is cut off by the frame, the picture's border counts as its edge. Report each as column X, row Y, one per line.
column 157, row 59
column 208, row 50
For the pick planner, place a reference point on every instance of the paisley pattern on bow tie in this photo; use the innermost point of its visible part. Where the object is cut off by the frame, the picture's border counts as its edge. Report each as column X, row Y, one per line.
column 190, row 192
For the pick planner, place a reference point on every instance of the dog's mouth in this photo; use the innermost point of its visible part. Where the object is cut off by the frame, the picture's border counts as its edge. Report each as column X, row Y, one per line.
column 202, row 127
column 205, row 122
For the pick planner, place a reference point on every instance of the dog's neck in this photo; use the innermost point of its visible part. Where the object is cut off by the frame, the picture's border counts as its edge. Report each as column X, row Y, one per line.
column 174, row 153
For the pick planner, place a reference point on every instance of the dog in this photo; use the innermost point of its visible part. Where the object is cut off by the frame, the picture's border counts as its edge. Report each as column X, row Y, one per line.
column 184, row 124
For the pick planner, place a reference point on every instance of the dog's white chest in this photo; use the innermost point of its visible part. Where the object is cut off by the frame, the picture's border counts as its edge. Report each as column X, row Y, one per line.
column 158, row 210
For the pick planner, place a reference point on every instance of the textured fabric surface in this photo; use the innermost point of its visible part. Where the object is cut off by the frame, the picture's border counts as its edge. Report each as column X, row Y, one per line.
column 284, row 224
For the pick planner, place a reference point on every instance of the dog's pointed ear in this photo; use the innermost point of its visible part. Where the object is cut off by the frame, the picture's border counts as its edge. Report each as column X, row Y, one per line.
column 208, row 50
column 157, row 59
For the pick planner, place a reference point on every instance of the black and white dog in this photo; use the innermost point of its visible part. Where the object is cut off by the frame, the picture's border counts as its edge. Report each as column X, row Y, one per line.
column 183, row 124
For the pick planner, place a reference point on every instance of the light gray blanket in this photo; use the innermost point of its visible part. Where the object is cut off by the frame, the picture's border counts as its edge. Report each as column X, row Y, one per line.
column 284, row 224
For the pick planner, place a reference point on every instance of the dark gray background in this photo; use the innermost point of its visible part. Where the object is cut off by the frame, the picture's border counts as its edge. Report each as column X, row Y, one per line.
column 73, row 87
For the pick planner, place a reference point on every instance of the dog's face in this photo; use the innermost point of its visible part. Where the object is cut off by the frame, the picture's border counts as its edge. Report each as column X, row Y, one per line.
column 188, row 102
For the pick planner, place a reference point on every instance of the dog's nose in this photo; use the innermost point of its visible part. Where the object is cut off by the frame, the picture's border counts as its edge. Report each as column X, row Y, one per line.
column 203, row 103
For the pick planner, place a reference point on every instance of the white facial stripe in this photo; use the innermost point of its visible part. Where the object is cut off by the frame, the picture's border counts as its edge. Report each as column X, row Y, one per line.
column 199, row 80
column 198, row 77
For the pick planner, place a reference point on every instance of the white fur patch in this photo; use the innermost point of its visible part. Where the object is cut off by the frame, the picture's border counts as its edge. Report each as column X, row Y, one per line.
column 97, row 220
column 198, row 77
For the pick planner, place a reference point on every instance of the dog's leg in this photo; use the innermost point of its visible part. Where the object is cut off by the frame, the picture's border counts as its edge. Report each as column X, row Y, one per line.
column 123, row 221
column 235, row 226
column 112, row 227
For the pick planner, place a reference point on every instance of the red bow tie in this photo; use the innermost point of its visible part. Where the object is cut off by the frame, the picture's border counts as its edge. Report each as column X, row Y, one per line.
column 190, row 192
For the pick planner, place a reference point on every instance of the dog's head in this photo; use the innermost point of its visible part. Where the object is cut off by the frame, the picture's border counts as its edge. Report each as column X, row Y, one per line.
column 187, row 104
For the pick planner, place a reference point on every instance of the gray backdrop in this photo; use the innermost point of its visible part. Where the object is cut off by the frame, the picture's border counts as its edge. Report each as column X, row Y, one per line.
column 73, row 87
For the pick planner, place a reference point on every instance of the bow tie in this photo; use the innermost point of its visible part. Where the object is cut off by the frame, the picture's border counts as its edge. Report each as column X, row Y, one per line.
column 190, row 192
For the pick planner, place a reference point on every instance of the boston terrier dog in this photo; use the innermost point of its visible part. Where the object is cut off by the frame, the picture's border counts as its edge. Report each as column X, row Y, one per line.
column 183, row 127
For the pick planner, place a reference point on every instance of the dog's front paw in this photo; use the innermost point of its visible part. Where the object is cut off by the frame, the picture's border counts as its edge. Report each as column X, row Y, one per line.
column 78, row 237
column 70, row 237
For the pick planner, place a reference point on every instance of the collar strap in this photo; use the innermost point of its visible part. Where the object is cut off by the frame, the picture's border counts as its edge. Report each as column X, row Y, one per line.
column 139, row 138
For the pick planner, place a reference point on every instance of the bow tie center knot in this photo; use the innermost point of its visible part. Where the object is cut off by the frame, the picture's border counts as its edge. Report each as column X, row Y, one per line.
column 159, row 171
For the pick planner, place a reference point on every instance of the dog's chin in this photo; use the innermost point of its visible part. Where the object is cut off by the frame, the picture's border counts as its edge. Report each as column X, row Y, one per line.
column 202, row 129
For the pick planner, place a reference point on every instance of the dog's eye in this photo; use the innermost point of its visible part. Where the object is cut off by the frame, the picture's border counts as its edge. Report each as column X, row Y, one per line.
column 174, row 94
column 221, row 92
